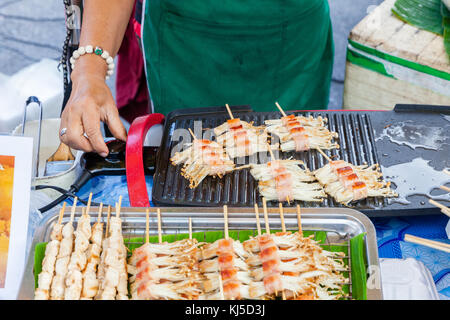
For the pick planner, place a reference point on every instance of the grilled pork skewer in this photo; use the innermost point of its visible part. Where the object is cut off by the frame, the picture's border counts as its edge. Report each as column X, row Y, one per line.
column 90, row 280
column 346, row 182
column 201, row 159
column 116, row 277
column 301, row 133
column 74, row 277
column 101, row 266
column 285, row 180
column 45, row 278
column 240, row 138
column 62, row 261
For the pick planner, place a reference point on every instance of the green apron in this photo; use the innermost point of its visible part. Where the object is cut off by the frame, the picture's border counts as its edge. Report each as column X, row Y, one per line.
column 202, row 53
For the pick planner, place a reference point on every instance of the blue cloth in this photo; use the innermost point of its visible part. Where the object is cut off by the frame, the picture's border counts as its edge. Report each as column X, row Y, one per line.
column 390, row 231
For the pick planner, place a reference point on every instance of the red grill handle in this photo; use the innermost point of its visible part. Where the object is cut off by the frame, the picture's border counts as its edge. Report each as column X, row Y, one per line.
column 134, row 162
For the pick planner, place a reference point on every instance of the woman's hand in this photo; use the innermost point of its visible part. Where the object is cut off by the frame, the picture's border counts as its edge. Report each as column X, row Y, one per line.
column 90, row 103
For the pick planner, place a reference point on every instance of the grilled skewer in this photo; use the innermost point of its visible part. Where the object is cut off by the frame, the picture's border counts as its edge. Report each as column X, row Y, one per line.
column 301, row 133
column 48, row 264
column 346, row 182
column 62, row 262
column 201, row 159
column 285, row 180
column 240, row 138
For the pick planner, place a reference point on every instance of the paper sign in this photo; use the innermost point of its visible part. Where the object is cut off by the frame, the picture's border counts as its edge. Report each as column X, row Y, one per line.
column 15, row 184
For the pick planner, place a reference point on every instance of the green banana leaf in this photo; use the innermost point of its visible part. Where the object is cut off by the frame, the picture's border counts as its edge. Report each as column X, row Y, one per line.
column 430, row 15
column 357, row 253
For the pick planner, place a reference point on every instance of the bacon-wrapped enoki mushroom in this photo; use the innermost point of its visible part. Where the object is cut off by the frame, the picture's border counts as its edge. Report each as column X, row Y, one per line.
column 45, row 278
column 225, row 259
column 301, row 133
column 240, row 138
column 164, row 270
column 285, row 180
column 62, row 261
column 289, row 263
column 201, row 159
column 74, row 277
column 90, row 280
column 346, row 182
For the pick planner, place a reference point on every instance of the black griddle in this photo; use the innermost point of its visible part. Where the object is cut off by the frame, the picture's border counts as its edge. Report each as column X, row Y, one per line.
column 359, row 143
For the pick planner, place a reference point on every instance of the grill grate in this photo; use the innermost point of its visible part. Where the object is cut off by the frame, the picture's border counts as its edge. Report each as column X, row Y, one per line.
column 356, row 140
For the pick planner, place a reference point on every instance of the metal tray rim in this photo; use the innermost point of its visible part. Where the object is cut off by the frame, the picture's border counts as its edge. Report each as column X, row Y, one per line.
column 179, row 215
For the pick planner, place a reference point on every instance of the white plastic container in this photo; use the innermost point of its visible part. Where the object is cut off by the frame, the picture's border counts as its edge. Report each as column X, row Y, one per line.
column 407, row 279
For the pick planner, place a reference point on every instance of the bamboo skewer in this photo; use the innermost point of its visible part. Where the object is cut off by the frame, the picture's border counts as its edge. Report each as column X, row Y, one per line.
column 229, row 111
column 445, row 188
column 443, row 208
column 428, row 243
column 258, row 225
column 225, row 217
column 281, row 110
column 266, row 217
column 100, row 211
column 107, row 222
column 74, row 207
column 446, row 171
column 61, row 213
column 192, row 134
column 88, row 206
column 190, row 228
column 299, row 221
column 158, row 214
column 147, row 236
column 324, row 155
column 283, row 228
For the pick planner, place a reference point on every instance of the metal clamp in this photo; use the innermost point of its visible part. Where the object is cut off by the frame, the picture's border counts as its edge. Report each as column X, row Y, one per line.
column 30, row 100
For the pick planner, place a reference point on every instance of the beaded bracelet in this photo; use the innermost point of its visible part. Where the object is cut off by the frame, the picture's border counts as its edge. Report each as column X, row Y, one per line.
column 98, row 51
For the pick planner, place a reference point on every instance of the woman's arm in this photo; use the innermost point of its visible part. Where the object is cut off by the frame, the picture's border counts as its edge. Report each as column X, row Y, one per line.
column 91, row 101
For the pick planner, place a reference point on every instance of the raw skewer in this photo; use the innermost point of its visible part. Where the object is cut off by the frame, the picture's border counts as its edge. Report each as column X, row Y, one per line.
column 258, row 225
column 428, row 243
column 443, row 208
column 48, row 264
column 283, row 228
column 101, row 270
column 158, row 213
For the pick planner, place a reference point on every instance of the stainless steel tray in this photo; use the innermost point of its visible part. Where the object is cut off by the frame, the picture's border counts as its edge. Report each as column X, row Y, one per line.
column 341, row 224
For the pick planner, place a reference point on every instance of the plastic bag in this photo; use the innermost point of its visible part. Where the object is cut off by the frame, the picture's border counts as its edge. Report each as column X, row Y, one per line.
column 42, row 80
